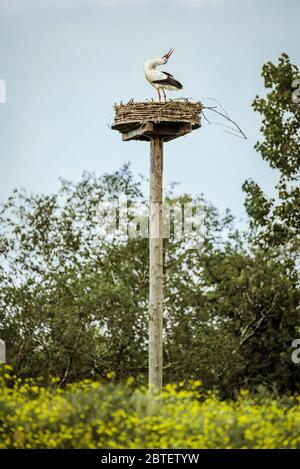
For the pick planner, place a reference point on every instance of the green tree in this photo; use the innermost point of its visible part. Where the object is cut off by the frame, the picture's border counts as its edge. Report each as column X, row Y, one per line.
column 277, row 221
column 275, row 224
column 75, row 304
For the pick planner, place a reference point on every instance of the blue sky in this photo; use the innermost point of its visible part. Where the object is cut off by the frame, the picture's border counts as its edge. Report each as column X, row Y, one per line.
column 65, row 64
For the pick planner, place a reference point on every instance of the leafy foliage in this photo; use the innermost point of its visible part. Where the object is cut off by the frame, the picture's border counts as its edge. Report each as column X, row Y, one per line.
column 280, row 147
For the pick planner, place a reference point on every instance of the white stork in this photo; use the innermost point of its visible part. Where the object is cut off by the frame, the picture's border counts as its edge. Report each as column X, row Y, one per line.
column 158, row 79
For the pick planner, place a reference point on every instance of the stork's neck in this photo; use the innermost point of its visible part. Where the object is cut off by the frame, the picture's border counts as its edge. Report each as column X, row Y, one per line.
column 151, row 64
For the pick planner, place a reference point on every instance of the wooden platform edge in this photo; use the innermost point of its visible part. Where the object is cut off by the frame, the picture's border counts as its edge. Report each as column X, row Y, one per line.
column 150, row 129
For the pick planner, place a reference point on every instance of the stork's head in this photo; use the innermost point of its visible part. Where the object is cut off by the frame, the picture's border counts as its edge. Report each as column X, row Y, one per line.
column 166, row 57
column 153, row 63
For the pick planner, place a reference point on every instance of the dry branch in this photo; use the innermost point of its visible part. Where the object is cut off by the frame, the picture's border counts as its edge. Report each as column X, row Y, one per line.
column 239, row 132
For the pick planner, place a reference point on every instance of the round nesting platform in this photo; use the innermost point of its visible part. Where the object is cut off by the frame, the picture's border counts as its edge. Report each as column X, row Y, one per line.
column 141, row 121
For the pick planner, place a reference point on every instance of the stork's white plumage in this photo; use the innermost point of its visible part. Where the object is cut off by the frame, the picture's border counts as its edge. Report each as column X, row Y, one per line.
column 161, row 80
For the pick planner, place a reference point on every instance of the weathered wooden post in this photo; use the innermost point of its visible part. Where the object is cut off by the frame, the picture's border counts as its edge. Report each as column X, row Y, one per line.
column 156, row 264
column 2, row 351
column 157, row 123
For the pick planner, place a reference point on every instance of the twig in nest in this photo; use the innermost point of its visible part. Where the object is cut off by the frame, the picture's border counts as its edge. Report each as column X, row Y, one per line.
column 205, row 118
column 219, row 104
column 236, row 131
column 227, row 126
column 243, row 137
column 226, row 116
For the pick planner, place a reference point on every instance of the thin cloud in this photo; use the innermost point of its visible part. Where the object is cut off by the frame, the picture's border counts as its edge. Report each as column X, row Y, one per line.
column 15, row 6
column 18, row 5
column 200, row 3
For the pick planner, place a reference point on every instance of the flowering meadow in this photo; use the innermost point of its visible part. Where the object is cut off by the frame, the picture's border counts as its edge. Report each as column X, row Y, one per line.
column 96, row 415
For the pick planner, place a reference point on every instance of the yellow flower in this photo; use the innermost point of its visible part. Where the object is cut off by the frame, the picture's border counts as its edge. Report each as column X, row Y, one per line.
column 130, row 380
column 91, row 415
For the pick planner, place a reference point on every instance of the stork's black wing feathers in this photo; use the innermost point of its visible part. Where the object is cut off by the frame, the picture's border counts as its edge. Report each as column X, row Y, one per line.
column 170, row 80
column 169, row 74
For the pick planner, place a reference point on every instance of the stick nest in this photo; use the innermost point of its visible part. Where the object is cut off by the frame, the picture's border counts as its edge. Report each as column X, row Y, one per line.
column 183, row 111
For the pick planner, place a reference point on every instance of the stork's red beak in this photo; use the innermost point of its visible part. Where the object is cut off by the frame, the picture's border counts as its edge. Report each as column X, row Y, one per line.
column 168, row 54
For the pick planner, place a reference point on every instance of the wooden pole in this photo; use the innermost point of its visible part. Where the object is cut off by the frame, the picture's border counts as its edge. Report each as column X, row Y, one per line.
column 2, row 351
column 156, row 265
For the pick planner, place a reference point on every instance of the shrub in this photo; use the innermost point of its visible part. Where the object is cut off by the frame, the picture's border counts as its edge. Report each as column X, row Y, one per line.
column 95, row 415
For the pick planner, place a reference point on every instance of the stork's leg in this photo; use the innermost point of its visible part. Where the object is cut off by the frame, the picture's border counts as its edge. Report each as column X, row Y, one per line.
column 164, row 95
column 159, row 95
